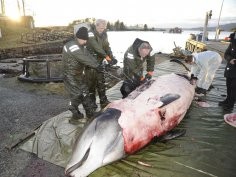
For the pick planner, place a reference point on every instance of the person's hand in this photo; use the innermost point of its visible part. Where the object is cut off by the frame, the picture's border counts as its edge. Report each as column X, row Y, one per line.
column 108, row 58
column 142, row 80
column 112, row 62
column 148, row 76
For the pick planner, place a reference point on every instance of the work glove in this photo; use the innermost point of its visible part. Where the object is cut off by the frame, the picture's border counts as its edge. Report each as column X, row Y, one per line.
column 143, row 80
column 148, row 76
column 112, row 62
column 108, row 58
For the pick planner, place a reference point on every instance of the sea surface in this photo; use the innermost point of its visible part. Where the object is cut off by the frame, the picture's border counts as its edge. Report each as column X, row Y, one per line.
column 160, row 41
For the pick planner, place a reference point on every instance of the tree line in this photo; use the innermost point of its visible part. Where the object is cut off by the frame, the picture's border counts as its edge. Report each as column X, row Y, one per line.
column 116, row 26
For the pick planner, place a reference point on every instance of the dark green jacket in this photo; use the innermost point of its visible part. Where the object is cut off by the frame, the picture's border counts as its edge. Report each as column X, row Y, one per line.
column 230, row 53
column 75, row 58
column 133, row 64
column 98, row 45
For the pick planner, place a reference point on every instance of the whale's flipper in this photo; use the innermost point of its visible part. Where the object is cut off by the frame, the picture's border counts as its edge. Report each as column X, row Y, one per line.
column 169, row 135
column 168, row 98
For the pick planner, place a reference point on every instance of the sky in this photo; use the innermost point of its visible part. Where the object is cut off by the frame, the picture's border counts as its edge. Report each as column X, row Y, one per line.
column 154, row 13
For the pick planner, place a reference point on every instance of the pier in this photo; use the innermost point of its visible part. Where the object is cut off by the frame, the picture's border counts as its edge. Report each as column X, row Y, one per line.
column 197, row 46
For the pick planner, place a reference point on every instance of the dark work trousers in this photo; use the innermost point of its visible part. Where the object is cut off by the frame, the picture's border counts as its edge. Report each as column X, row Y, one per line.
column 75, row 101
column 231, row 90
column 83, row 99
column 96, row 82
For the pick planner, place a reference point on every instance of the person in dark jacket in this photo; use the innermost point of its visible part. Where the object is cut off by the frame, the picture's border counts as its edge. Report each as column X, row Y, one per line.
column 134, row 58
column 230, row 73
column 99, row 47
column 75, row 58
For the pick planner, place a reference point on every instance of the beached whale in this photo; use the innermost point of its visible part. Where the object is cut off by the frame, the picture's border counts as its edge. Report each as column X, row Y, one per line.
column 127, row 125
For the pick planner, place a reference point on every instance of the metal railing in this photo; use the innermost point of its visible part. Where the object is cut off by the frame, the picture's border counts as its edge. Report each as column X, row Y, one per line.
column 47, row 59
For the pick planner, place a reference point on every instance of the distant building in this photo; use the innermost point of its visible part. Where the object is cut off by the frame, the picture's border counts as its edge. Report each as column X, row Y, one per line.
column 27, row 22
column 175, row 30
column 136, row 27
column 7, row 23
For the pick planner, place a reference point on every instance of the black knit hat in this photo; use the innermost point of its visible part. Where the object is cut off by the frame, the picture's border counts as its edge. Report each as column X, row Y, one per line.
column 82, row 33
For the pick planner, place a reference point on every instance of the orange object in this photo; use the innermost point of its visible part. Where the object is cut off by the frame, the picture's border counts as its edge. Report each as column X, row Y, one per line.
column 108, row 58
column 142, row 78
column 227, row 38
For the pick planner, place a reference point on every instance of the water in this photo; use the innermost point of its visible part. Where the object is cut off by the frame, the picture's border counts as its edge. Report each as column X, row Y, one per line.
column 161, row 42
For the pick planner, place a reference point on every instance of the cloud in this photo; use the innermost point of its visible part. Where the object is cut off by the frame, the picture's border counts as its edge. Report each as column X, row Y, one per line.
column 152, row 12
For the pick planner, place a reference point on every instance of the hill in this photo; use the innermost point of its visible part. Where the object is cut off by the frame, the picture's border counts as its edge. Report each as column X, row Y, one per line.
column 224, row 27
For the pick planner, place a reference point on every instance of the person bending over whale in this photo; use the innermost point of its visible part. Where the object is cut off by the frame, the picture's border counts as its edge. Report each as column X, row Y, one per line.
column 203, row 67
column 134, row 58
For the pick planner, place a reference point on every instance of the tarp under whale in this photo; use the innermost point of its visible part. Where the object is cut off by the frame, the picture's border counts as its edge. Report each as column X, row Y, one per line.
column 54, row 139
column 205, row 150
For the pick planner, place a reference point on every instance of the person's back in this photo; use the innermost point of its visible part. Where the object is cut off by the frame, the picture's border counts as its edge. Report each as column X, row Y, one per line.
column 203, row 66
column 75, row 58
column 71, row 65
column 230, row 56
column 206, row 56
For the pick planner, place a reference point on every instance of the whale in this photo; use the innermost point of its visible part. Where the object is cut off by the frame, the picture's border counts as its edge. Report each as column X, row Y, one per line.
column 128, row 125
